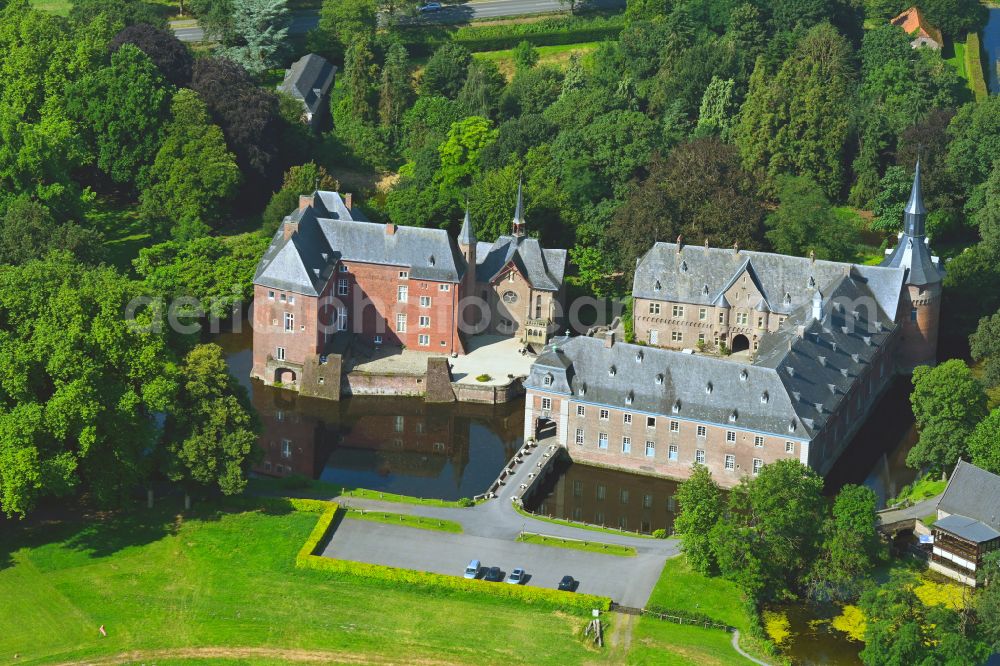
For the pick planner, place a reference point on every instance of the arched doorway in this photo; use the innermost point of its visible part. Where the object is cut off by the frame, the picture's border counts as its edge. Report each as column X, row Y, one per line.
column 284, row 376
column 740, row 343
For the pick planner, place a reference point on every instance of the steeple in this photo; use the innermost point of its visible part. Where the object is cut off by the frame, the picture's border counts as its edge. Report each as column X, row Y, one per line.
column 519, row 213
column 915, row 215
column 467, row 236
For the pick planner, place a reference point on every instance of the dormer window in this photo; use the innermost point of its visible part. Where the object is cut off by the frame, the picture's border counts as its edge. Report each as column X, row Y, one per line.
column 743, row 375
column 676, row 408
column 547, row 380
column 788, row 298
column 764, row 398
column 638, row 357
column 812, row 282
column 659, row 380
column 432, row 260
column 708, row 387
column 656, row 286
column 704, row 290
column 628, row 398
column 791, row 426
column 684, row 267
column 733, row 416
column 790, row 370
column 583, row 390
column 612, row 371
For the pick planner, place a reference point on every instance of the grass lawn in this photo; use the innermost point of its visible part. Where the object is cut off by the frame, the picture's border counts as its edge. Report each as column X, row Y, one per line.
column 167, row 8
column 168, row 587
column 124, row 233
column 582, row 526
column 405, row 521
column 658, row 642
column 302, row 487
column 957, row 59
column 921, row 489
column 575, row 544
column 547, row 55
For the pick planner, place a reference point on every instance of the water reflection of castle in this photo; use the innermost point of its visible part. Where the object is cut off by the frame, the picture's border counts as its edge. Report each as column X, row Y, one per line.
column 385, row 435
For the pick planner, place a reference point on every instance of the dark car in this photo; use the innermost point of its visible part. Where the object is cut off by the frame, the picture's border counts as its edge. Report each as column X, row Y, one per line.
column 493, row 575
column 567, row 584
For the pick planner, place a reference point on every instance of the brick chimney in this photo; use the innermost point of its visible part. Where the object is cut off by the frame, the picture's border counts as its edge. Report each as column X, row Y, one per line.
column 289, row 228
column 305, row 200
column 349, row 200
column 390, row 229
column 609, row 339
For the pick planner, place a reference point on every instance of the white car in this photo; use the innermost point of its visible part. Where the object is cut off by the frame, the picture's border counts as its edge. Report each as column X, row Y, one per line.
column 429, row 7
column 472, row 571
column 516, row 576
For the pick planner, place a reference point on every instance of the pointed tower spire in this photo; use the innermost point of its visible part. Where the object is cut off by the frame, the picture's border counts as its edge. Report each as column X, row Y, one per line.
column 467, row 236
column 915, row 215
column 519, row 212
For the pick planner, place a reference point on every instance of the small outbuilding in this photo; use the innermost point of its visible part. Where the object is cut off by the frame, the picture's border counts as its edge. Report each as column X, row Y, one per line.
column 309, row 80
column 921, row 33
column 968, row 523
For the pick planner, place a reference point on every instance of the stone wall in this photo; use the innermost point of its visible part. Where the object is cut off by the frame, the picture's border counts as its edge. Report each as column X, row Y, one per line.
column 439, row 387
column 322, row 380
column 361, row 383
column 488, row 394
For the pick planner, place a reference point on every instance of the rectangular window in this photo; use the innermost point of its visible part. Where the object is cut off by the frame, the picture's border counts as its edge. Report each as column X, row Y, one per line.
column 702, row 314
column 404, row 275
column 279, row 353
column 678, row 311
column 289, row 322
column 581, row 410
column 423, row 340
column 672, row 452
column 758, row 442
column 579, row 436
column 444, row 287
column 722, row 317
column 676, row 336
column 730, row 437
column 675, row 426
column 401, row 323
column 604, row 414
column 291, row 300
column 626, row 445
column 546, row 404
column 913, row 314
column 730, row 463
column 424, row 321
column 654, row 336
column 757, row 464
column 671, row 504
column 651, row 422
column 341, row 318
column 701, row 338
column 402, row 293
column 742, row 318
column 627, row 419
column 650, row 449
column 602, row 491
column 577, row 488
column 602, row 440
column 647, row 501
column 623, row 495
column 654, row 308
column 425, row 301
column 342, row 268
column 342, row 287
column 270, row 295
column 699, row 456
column 377, row 339
column 789, row 447
column 760, row 322
column 702, row 431
column 284, row 298
column 400, row 424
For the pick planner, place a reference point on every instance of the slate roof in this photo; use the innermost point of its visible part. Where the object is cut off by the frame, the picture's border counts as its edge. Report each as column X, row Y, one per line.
column 802, row 371
column 701, row 276
column 972, row 494
column 967, row 528
column 309, row 79
column 544, row 268
column 911, row 252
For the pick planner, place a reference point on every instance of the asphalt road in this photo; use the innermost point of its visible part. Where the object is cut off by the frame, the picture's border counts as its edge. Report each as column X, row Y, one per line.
column 306, row 20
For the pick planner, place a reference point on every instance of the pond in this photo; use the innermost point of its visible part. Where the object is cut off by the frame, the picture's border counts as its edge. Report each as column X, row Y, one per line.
column 991, row 46
column 397, row 445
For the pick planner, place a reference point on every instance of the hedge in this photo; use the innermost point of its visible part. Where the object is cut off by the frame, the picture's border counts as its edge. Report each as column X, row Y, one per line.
column 533, row 596
column 550, row 32
column 974, row 67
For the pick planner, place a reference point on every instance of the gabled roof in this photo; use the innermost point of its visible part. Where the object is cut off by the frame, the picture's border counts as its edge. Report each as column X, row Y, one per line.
column 309, row 79
column 543, row 268
column 301, row 263
column 974, row 493
column 912, row 21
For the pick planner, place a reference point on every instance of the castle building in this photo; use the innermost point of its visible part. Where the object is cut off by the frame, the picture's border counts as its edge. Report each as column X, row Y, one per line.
column 815, row 344
column 330, row 271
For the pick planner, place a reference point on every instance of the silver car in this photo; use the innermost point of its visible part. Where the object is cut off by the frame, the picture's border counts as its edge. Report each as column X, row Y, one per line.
column 472, row 571
column 516, row 576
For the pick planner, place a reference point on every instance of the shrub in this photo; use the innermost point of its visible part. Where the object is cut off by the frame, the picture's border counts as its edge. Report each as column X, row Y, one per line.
column 483, row 378
column 294, row 482
column 660, row 534
column 974, row 66
column 466, row 502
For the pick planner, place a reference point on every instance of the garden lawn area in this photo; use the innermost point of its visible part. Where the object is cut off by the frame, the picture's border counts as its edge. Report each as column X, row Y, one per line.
column 957, row 59
column 297, row 486
column 165, row 584
column 124, row 232
column 547, row 55
column 576, row 544
column 659, row 642
column 405, row 520
column 921, row 489
column 582, row 526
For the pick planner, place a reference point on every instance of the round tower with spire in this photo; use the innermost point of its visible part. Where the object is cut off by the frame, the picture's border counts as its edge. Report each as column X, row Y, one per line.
column 467, row 243
column 919, row 310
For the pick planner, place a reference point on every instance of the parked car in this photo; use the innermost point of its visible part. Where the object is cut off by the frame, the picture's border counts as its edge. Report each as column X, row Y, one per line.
column 472, row 571
column 516, row 576
column 429, row 7
column 493, row 575
column 567, row 584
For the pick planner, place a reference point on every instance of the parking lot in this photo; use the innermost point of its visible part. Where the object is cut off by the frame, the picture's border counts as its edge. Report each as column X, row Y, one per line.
column 627, row 580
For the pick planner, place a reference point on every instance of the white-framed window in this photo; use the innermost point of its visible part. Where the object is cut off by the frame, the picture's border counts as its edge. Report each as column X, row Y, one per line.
column 342, row 268
column 399, row 424
column 676, row 336
column 342, row 286
column 651, row 422
column 341, row 318
column 627, row 419
column 547, row 380
column 702, row 431
column 377, row 339
column 604, row 414
column 289, row 322
column 286, row 448
column 730, row 462
column 401, row 323
column 789, row 447
column 546, row 404
column 424, row 321
column 758, row 442
column 654, row 308
column 284, row 299
column 757, row 464
column 602, row 440
column 279, row 353
column 722, row 317
column 581, row 410
column 444, row 287
column 402, row 293
column 579, row 436
column 291, row 300
column 742, row 318
column 654, row 336
column 270, row 295
column 730, row 437
column 425, row 301
column 702, row 314
column 675, row 426
column 650, row 448
column 760, row 322
column 699, row 456
column 672, row 452
column 403, row 275
column 678, row 311
column 626, row 444
column 701, row 338
column 423, row 340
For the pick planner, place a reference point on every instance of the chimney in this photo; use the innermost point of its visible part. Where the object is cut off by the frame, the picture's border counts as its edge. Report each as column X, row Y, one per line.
column 305, row 200
column 680, row 243
column 349, row 200
column 812, row 256
column 390, row 229
column 736, row 247
column 609, row 339
column 289, row 228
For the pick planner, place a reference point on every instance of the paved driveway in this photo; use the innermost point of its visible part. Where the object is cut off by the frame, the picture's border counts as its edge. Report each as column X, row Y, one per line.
column 627, row 580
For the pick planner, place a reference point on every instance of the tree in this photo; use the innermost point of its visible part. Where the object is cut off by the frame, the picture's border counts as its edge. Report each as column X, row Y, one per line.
column 805, row 222
column 299, row 180
column 259, row 34
column 123, row 12
column 360, row 74
column 701, row 506
column 525, row 55
column 162, row 47
column 984, row 443
column 798, row 121
column 955, row 18
column 985, row 347
column 122, row 108
column 78, row 377
column 717, row 108
column 446, row 71
column 211, row 429
column 216, row 18
column 193, row 175
column 460, row 153
column 893, row 193
column 851, row 546
column 975, row 143
column 28, row 231
column 947, row 402
column 988, row 602
column 532, row 91
column 395, row 91
column 483, row 87
column 341, row 23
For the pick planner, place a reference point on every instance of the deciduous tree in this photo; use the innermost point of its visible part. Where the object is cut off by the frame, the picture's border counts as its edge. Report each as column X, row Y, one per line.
column 850, row 549
column 28, row 231
column 167, row 52
column 299, row 180
column 984, row 443
column 342, row 23
column 805, row 222
column 700, row 507
column 985, row 347
column 446, row 71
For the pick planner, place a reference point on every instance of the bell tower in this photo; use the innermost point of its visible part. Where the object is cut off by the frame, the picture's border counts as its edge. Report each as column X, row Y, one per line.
column 519, row 213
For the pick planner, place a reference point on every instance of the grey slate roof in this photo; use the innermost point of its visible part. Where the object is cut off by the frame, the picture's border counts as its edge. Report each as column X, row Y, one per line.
column 467, row 236
column 700, row 276
column 967, row 528
column 543, row 268
column 309, row 79
column 973, row 493
column 911, row 252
